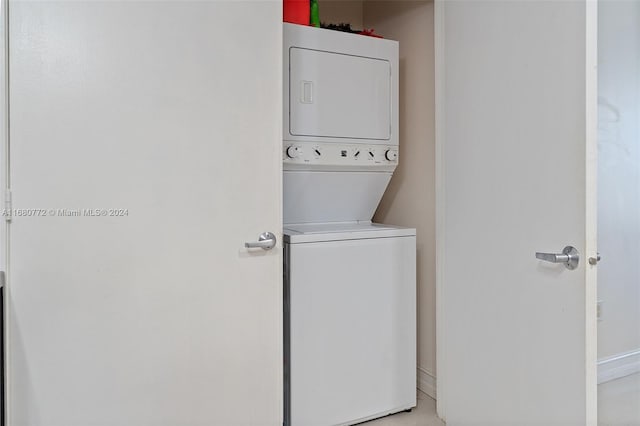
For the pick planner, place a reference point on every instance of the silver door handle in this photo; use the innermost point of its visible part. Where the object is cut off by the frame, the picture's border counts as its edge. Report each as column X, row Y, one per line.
column 266, row 241
column 569, row 256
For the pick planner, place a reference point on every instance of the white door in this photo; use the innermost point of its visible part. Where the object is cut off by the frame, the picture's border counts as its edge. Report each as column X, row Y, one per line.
column 516, row 111
column 148, row 134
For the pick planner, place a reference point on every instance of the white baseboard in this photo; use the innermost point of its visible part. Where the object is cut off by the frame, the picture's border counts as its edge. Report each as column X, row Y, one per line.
column 610, row 368
column 427, row 382
column 618, row 366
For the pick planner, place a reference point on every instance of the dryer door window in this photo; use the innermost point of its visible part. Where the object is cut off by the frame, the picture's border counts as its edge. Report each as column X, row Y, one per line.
column 339, row 96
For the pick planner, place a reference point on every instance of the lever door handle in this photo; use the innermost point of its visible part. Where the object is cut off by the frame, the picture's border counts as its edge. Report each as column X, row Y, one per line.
column 266, row 241
column 569, row 256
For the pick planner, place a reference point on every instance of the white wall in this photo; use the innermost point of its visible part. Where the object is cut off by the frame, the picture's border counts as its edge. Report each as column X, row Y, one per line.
column 410, row 198
column 619, row 178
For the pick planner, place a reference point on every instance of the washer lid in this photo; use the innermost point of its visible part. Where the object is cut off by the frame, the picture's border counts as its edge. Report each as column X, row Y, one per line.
column 317, row 232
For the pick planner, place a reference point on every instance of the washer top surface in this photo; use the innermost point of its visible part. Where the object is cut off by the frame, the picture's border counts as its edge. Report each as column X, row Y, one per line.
column 317, row 232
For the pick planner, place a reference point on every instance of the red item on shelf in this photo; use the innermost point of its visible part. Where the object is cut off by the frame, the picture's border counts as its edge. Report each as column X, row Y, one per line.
column 370, row 33
column 296, row 11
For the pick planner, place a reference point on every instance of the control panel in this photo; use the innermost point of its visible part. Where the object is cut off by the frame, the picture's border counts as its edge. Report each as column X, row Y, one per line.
column 307, row 155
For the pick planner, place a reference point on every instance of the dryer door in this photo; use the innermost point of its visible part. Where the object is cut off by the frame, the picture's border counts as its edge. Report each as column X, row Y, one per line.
column 339, row 96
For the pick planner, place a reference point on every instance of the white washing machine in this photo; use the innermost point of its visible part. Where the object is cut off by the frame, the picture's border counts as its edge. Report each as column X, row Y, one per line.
column 350, row 285
column 350, row 340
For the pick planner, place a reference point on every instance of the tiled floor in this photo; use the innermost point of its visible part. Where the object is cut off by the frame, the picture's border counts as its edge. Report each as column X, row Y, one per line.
column 619, row 402
column 423, row 415
column 618, row 405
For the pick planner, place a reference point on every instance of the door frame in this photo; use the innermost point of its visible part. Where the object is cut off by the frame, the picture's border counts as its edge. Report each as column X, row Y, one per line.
column 591, row 168
column 5, row 195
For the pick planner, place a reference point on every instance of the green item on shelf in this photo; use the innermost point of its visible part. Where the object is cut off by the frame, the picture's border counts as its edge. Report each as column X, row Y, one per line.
column 315, row 14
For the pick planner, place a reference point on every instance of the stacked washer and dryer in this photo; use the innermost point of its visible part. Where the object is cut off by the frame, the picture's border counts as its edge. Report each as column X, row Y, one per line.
column 350, row 284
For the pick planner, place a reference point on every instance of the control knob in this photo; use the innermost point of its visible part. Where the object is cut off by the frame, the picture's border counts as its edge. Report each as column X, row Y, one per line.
column 294, row 151
column 391, row 155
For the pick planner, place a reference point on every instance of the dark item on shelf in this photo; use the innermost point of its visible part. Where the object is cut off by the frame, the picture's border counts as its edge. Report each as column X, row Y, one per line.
column 346, row 28
column 296, row 11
